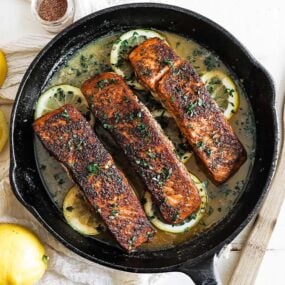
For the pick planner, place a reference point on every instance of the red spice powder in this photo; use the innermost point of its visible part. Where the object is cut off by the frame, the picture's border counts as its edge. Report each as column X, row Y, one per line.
column 52, row 10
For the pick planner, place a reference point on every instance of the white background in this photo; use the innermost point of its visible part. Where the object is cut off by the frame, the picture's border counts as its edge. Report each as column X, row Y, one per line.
column 260, row 26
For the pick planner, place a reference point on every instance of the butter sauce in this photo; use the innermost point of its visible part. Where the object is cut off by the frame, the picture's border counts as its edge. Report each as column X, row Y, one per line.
column 93, row 59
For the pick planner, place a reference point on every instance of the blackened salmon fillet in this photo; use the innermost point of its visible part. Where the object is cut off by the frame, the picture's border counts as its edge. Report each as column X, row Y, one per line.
column 149, row 151
column 199, row 118
column 70, row 139
column 151, row 60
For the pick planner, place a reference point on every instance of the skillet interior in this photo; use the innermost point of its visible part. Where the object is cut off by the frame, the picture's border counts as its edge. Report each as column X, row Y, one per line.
column 26, row 181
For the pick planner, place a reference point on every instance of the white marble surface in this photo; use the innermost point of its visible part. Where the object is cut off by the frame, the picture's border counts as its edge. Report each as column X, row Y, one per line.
column 260, row 26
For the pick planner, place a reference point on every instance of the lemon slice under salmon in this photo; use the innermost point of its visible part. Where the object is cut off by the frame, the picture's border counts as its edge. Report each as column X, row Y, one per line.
column 223, row 90
column 121, row 49
column 186, row 225
column 57, row 96
column 78, row 214
column 3, row 130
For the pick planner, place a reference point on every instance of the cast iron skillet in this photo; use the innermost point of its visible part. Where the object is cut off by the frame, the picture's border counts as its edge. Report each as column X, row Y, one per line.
column 195, row 257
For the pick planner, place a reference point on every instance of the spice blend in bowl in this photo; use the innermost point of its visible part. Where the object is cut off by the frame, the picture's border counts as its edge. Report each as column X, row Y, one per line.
column 52, row 10
column 53, row 15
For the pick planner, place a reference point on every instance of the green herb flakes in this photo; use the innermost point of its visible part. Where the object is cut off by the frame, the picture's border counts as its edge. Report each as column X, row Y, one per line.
column 45, row 259
column 65, row 114
column 93, row 168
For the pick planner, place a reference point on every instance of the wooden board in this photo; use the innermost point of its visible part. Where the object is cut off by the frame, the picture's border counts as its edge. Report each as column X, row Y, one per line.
column 255, row 246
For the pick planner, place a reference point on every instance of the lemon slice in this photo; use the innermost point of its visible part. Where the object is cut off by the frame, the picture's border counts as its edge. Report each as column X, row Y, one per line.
column 3, row 130
column 121, row 49
column 188, row 223
column 223, row 91
column 171, row 130
column 23, row 260
column 3, row 68
column 57, row 96
column 79, row 215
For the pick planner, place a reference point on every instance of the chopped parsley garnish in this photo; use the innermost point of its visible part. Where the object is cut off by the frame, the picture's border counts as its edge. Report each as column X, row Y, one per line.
column 225, row 190
column 83, row 61
column 176, row 71
column 105, row 82
column 79, row 144
column 175, row 217
column 197, row 52
column 208, row 152
column 167, row 172
column 149, row 234
column 59, row 94
column 239, row 185
column 65, row 114
column 45, row 259
column 163, row 200
column 114, row 212
column 143, row 129
column 142, row 163
column 107, row 126
column 191, row 108
column 117, row 117
column 132, row 240
column 230, row 91
column 124, row 47
column 211, row 62
column 168, row 61
column 151, row 154
column 93, row 168
column 215, row 81
column 161, row 177
column 200, row 144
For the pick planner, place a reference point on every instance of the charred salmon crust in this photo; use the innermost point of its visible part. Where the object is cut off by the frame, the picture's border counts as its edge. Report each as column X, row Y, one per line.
column 199, row 118
column 70, row 139
column 149, row 151
column 201, row 121
column 151, row 60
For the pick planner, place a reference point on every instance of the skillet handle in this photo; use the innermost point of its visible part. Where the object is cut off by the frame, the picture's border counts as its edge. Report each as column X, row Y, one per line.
column 202, row 273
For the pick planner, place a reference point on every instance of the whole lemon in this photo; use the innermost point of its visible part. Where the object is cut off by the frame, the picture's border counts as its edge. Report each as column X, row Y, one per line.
column 22, row 256
column 3, row 68
column 3, row 131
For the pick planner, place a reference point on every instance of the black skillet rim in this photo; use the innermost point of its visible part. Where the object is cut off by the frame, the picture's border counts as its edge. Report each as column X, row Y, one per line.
column 271, row 172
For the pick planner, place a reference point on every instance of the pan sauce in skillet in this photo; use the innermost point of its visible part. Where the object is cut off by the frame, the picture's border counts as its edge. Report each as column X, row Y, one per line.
column 94, row 58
